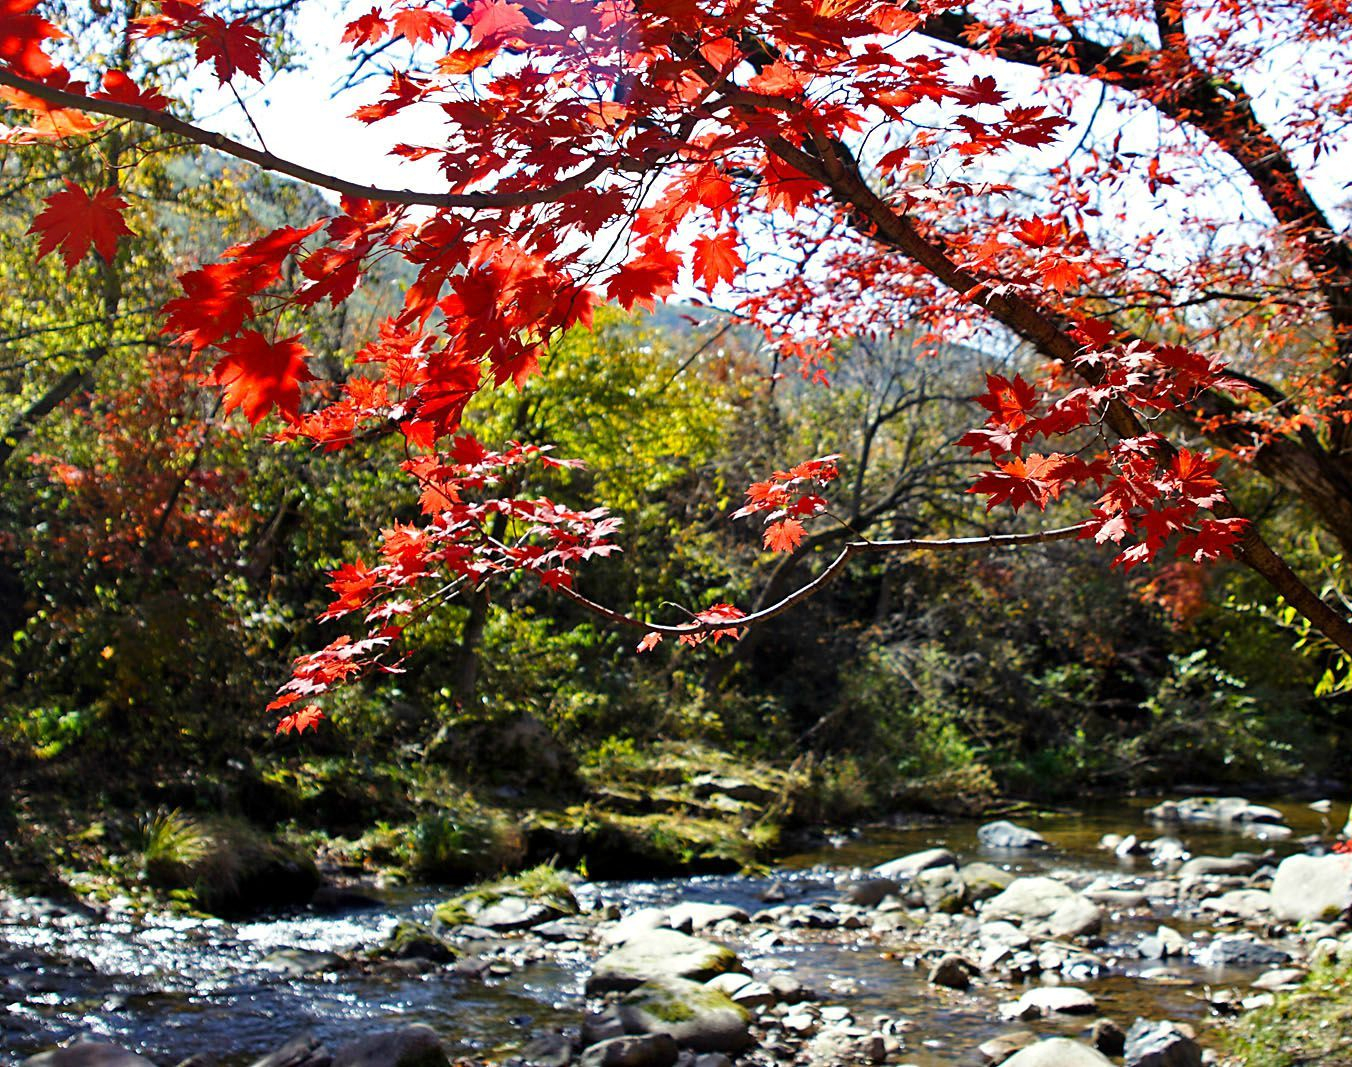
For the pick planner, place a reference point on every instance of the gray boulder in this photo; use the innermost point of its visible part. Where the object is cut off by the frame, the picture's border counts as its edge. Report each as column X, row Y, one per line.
column 1215, row 811
column 695, row 1015
column 1075, row 917
column 1058, row 1052
column 1241, row 903
column 649, row 1050
column 405, row 1046
column 87, row 1054
column 656, row 954
column 1209, row 866
column 1161, row 1044
column 1049, row 1000
column 1045, row 900
column 1007, row 835
column 1308, row 888
column 905, row 868
column 692, row 918
column 868, row 892
column 1236, row 951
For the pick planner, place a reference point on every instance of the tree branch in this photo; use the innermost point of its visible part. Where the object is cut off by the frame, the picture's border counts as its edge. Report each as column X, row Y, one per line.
column 832, row 571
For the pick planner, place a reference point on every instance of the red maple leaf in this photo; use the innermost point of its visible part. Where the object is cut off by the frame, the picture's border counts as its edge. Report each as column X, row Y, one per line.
column 419, row 24
column 496, row 21
column 258, row 374
column 717, row 259
column 783, row 536
column 231, row 47
column 21, row 37
column 308, row 717
column 73, row 220
column 118, row 86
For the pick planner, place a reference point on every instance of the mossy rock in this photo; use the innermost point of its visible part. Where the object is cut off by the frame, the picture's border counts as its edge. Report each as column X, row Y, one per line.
column 538, row 895
column 656, row 955
column 415, row 941
column 699, row 1018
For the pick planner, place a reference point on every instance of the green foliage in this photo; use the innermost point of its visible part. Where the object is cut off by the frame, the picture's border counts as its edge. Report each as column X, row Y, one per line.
column 172, row 843
column 1311, row 1025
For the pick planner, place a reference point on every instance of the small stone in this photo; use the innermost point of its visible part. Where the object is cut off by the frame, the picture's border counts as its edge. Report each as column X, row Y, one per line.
column 1007, row 835
column 1065, row 1000
column 647, row 1050
column 998, row 1049
column 786, row 989
column 1108, row 1037
column 1161, row 1044
column 1284, row 978
column 952, row 971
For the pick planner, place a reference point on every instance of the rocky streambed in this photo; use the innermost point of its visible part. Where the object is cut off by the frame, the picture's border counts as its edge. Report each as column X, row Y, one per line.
column 1122, row 936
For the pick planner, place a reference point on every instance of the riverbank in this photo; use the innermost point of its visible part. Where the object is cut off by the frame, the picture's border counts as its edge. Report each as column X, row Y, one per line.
column 827, row 959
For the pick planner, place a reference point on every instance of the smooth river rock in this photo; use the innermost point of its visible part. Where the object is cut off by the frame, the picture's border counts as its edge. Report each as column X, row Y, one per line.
column 1308, row 888
column 660, row 953
column 416, row 1045
column 1058, row 1052
column 651, row 1050
column 905, row 868
column 1007, row 835
column 1160, row 1044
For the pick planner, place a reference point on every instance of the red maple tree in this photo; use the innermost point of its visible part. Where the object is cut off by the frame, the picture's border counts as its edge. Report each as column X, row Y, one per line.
column 826, row 167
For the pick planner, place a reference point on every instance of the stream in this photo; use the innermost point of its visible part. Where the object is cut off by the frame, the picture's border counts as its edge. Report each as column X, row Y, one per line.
column 170, row 987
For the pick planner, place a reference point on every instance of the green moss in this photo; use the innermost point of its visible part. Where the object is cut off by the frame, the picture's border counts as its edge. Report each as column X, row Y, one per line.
column 1310, row 1025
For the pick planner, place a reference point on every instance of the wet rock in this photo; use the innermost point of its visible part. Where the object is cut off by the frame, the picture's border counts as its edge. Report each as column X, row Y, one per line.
column 952, row 971
column 1241, row 903
column 550, row 1049
column 414, row 941
column 905, row 868
column 649, row 1050
column 635, row 923
column 1161, row 1044
column 787, row 989
column 1007, row 835
column 1058, row 1052
column 405, row 1046
column 658, row 954
column 1076, row 917
column 711, row 1059
column 744, row 990
column 1237, row 951
column 942, row 889
column 868, row 892
column 1131, row 846
column 1216, row 811
column 1164, row 942
column 1310, row 888
column 1039, row 899
column 1283, row 978
column 563, row 930
column 1048, row 1000
column 697, row 1016
column 984, row 880
column 516, row 913
column 696, row 917
column 1124, row 899
column 297, row 962
column 707, row 785
column 1218, row 866
column 303, row 1050
column 1108, row 1037
column 87, row 1054
column 998, row 1049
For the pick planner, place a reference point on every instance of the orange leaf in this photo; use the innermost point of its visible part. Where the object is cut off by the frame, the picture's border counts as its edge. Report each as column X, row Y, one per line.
column 784, row 536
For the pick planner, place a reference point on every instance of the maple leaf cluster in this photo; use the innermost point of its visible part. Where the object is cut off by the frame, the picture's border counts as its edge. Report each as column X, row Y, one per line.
column 469, row 535
column 788, row 497
column 1150, row 491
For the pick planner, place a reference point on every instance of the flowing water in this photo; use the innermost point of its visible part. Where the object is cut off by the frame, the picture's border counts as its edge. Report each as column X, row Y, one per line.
column 171, row 987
